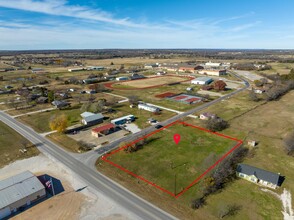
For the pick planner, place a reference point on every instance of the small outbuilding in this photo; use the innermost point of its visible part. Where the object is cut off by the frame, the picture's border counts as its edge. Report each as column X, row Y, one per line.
column 207, row 116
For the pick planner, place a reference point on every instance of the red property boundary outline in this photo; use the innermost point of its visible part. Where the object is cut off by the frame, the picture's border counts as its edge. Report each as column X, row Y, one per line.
column 109, row 85
column 239, row 143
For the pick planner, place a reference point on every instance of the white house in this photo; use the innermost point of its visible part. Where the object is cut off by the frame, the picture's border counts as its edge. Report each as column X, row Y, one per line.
column 149, row 108
column 202, row 81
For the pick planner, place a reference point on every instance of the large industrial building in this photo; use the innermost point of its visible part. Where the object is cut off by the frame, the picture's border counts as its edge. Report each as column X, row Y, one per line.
column 19, row 191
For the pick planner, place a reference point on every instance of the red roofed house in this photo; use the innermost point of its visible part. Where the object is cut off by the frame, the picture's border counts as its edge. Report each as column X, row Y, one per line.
column 103, row 130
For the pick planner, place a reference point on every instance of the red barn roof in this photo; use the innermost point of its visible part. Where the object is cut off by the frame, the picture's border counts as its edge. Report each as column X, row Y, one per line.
column 103, row 128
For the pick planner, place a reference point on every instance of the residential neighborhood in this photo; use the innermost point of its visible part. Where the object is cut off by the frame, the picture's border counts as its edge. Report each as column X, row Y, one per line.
column 137, row 110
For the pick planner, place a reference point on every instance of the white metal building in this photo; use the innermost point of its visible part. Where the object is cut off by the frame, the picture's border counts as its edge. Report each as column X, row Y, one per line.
column 149, row 108
column 213, row 72
column 202, row 81
column 18, row 191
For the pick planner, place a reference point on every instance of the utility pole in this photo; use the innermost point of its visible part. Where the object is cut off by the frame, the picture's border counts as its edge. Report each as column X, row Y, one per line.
column 52, row 186
column 175, row 184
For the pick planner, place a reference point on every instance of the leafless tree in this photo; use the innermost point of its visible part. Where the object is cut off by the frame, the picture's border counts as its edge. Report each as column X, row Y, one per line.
column 289, row 144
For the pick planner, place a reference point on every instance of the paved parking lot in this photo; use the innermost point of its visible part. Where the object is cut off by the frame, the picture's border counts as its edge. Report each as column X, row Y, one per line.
column 86, row 136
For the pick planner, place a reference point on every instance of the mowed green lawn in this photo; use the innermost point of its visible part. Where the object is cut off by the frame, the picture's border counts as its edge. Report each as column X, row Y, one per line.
column 163, row 162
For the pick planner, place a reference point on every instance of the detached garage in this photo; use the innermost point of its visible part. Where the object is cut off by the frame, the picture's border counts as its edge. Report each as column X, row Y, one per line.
column 19, row 191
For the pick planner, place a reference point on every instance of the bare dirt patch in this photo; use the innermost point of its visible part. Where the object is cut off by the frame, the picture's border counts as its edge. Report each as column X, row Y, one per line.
column 86, row 204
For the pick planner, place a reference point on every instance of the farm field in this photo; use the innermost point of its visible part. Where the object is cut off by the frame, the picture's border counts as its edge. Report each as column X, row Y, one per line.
column 174, row 167
column 11, row 143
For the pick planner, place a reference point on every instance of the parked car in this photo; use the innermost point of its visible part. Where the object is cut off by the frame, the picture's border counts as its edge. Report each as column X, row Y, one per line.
column 158, row 126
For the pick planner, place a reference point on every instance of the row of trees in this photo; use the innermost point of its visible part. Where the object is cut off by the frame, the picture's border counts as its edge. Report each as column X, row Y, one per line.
column 216, row 124
column 224, row 173
column 289, row 144
column 94, row 106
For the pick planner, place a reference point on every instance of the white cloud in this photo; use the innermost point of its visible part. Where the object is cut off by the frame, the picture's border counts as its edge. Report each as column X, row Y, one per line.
column 100, row 29
column 61, row 8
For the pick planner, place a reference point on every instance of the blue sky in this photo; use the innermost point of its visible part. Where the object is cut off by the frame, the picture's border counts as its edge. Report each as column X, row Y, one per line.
column 96, row 24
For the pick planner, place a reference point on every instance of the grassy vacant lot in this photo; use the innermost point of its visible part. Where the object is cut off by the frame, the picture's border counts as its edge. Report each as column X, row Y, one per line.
column 40, row 121
column 282, row 68
column 64, row 141
column 161, row 159
column 10, row 144
column 234, row 107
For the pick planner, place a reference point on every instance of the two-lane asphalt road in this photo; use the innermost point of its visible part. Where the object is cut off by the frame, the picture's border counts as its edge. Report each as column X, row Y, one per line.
column 137, row 206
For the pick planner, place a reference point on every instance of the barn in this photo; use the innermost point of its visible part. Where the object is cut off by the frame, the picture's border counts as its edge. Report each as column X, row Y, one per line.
column 19, row 191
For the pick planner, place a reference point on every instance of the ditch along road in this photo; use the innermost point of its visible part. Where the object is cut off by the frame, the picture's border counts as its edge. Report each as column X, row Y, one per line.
column 90, row 158
column 84, row 164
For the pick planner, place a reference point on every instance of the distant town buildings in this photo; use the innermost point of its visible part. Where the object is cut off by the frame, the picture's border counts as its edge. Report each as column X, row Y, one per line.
column 213, row 72
column 151, row 65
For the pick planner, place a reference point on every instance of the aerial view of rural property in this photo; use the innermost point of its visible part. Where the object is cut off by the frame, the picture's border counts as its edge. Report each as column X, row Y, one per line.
column 146, row 110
